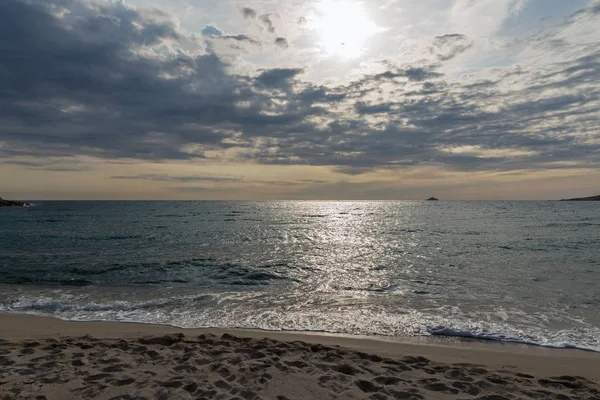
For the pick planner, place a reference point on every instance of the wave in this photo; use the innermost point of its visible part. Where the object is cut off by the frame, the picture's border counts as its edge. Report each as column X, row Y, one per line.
column 45, row 305
column 168, row 310
column 200, row 271
column 112, row 237
column 441, row 330
column 25, row 280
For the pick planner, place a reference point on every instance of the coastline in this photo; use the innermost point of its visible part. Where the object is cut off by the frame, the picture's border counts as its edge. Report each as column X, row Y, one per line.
column 19, row 327
column 298, row 365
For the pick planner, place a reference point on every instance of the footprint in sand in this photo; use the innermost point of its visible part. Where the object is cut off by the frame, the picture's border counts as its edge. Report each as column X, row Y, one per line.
column 202, row 361
column 116, row 368
column 97, row 377
column 387, row 380
column 347, row 369
column 172, row 384
column 122, row 382
column 457, row 374
column 498, row 380
column 408, row 395
column 367, row 386
column 25, row 372
column 440, row 387
column 466, row 388
column 49, row 364
column 78, row 362
column 191, row 387
column 418, row 360
column 5, row 362
column 51, row 379
column 185, row 368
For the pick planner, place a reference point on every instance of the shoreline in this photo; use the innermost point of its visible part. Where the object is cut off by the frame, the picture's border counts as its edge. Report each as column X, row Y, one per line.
column 53, row 359
column 430, row 339
column 19, row 327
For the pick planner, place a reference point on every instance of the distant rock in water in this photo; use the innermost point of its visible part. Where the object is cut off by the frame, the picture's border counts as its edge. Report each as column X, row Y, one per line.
column 8, row 203
column 432, row 199
column 592, row 198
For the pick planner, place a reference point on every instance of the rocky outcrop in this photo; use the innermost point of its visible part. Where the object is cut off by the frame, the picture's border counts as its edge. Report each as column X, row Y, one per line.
column 592, row 198
column 8, row 203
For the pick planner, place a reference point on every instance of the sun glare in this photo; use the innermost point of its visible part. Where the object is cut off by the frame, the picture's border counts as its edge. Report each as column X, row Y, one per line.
column 343, row 28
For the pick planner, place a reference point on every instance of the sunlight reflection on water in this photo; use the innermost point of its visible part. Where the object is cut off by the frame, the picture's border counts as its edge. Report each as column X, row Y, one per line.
column 386, row 268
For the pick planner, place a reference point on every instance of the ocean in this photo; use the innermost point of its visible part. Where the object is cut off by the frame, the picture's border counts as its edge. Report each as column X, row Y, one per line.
column 520, row 271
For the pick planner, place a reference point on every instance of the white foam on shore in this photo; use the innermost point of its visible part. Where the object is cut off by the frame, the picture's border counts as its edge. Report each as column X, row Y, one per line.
column 48, row 305
column 446, row 331
column 189, row 312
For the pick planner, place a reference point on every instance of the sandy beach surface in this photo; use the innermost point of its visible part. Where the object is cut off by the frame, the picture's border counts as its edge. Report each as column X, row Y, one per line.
column 47, row 358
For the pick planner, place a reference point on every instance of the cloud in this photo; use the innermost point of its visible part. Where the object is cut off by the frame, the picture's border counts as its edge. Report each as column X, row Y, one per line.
column 113, row 82
column 240, row 39
column 313, row 181
column 249, row 12
column 278, row 77
column 264, row 21
column 282, row 42
column 50, row 165
column 364, row 108
column 590, row 12
column 446, row 47
column 267, row 22
column 213, row 179
column 170, row 178
column 105, row 81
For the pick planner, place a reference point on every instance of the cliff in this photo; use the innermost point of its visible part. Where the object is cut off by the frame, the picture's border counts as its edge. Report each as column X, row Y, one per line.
column 8, row 203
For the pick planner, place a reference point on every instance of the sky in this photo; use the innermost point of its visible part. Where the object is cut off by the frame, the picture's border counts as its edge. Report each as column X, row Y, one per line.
column 299, row 99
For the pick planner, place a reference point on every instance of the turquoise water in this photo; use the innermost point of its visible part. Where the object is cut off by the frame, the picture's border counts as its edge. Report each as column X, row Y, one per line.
column 523, row 271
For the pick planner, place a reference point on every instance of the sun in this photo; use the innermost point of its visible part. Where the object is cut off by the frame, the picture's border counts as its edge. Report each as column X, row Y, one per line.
column 343, row 28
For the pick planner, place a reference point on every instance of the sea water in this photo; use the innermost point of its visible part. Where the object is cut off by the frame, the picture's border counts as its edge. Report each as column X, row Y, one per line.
column 517, row 271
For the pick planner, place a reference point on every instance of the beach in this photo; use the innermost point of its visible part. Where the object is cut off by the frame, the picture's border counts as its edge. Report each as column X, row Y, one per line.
column 44, row 357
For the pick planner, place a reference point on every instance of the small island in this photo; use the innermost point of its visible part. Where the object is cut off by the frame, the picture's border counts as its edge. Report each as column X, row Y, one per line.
column 432, row 199
column 592, row 198
column 8, row 203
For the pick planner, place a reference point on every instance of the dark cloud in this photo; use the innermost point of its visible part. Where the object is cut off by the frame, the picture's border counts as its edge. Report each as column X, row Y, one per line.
column 282, row 42
column 267, row 22
column 23, row 163
column 278, row 77
column 80, row 86
column 112, row 82
column 249, row 12
column 240, row 38
column 264, row 21
column 314, row 181
column 446, row 47
column 58, row 166
column 364, row 108
column 199, row 179
column 169, row 178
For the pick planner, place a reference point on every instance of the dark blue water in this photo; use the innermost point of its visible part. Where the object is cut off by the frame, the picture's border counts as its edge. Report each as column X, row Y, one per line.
column 526, row 271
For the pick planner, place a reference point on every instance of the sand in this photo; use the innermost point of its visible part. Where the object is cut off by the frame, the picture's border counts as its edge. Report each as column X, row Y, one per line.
column 46, row 358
